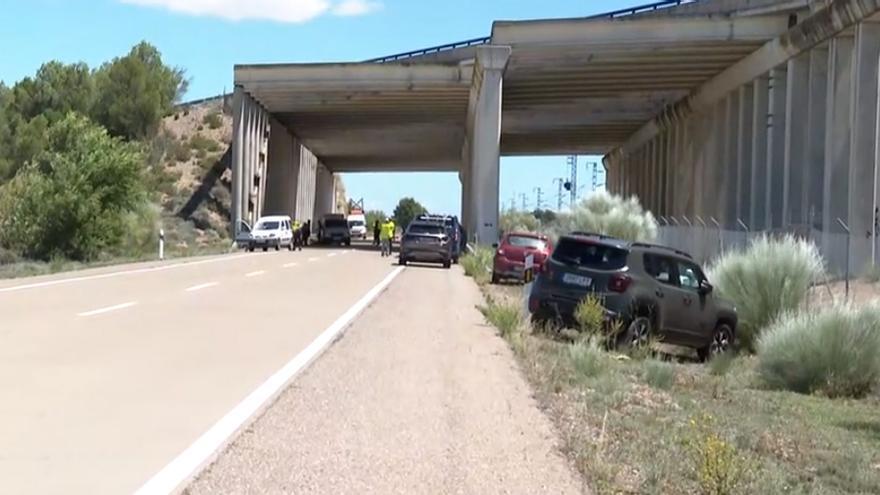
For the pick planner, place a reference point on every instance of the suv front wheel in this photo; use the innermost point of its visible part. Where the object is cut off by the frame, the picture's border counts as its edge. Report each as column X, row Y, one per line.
column 722, row 341
column 637, row 333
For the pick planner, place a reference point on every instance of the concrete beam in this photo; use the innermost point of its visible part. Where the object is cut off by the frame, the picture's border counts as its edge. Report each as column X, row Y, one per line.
column 838, row 16
column 350, row 76
column 637, row 30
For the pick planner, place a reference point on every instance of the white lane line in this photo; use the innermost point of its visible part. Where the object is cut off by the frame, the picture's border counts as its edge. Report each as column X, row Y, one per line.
column 202, row 286
column 291, row 265
column 331, row 255
column 312, row 260
column 187, row 465
column 107, row 309
column 50, row 283
column 256, row 273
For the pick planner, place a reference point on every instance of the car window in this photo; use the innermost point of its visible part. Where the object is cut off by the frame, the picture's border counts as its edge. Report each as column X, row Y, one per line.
column 660, row 267
column 430, row 229
column 689, row 275
column 525, row 241
column 590, row 255
column 335, row 223
column 268, row 226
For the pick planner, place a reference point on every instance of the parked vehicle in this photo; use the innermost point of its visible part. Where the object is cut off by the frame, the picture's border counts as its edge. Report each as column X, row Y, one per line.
column 511, row 252
column 357, row 226
column 426, row 241
column 272, row 232
column 333, row 229
column 453, row 230
column 243, row 236
column 653, row 291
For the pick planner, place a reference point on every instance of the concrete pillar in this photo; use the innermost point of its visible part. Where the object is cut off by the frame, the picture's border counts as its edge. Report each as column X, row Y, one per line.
column 485, row 139
column 672, row 164
column 282, row 172
column 837, row 138
column 727, row 199
column 306, row 184
column 745, row 138
column 237, row 159
column 776, row 128
column 758, row 210
column 796, row 131
column 713, row 176
column 325, row 192
column 464, row 175
column 684, row 176
column 862, row 174
column 659, row 186
column 816, row 115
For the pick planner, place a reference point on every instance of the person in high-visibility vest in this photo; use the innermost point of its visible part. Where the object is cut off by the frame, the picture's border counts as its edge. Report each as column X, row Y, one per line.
column 387, row 236
column 297, row 235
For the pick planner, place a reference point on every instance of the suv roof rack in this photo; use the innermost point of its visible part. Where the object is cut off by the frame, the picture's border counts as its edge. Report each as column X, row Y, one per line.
column 665, row 248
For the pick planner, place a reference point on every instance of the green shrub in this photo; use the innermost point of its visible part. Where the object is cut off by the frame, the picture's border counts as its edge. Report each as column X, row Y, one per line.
column 8, row 257
column 590, row 316
column 721, row 364
column 771, row 277
column 717, row 465
column 587, row 359
column 478, row 264
column 604, row 213
column 213, row 120
column 507, row 318
column 658, row 374
column 834, row 351
column 871, row 274
column 201, row 143
column 181, row 152
column 516, row 220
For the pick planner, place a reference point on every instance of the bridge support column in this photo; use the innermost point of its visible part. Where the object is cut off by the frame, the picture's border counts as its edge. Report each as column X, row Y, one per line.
column 816, row 115
column 325, row 192
column 249, row 146
column 484, row 141
column 776, row 149
column 862, row 173
column 730, row 161
column 745, row 135
column 758, row 209
column 795, row 160
column 282, row 171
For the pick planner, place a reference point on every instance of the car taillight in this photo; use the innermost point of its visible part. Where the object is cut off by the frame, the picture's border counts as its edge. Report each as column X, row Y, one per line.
column 500, row 252
column 619, row 283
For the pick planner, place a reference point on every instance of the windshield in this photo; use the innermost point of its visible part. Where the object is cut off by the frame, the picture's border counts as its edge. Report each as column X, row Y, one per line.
column 356, row 223
column 426, row 229
column 526, row 242
column 589, row 255
column 268, row 225
column 335, row 223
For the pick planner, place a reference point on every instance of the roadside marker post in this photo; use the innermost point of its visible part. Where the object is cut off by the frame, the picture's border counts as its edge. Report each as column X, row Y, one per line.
column 161, row 244
column 528, row 278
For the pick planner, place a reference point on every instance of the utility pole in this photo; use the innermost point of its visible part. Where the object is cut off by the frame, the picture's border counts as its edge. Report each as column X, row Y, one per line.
column 540, row 197
column 525, row 201
column 573, row 181
column 560, row 182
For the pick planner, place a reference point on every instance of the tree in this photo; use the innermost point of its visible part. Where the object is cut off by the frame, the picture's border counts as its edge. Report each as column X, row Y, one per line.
column 56, row 90
column 75, row 197
column 406, row 211
column 546, row 217
column 135, row 92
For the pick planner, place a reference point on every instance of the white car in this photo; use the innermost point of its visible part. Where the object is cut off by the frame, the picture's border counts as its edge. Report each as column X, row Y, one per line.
column 271, row 232
column 357, row 225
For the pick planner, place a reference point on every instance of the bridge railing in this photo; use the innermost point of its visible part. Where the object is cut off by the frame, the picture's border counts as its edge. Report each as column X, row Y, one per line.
column 641, row 9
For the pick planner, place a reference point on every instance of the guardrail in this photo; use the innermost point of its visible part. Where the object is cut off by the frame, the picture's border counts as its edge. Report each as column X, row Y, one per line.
column 651, row 7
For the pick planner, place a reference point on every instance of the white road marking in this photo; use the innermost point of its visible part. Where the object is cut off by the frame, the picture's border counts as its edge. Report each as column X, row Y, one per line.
column 331, row 255
column 202, row 286
column 50, row 283
column 312, row 260
column 187, row 465
column 107, row 309
column 291, row 265
column 256, row 273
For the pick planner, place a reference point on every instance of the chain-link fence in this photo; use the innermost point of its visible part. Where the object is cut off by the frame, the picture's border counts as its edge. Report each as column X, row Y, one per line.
column 705, row 239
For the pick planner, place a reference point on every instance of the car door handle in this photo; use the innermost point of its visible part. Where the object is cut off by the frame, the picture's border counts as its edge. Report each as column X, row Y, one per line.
column 688, row 300
column 659, row 293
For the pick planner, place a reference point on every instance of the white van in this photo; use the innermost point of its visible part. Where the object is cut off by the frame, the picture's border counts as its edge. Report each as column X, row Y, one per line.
column 357, row 225
column 272, row 231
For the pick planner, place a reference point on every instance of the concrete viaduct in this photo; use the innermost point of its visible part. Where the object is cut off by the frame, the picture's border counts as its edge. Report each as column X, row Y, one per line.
column 755, row 112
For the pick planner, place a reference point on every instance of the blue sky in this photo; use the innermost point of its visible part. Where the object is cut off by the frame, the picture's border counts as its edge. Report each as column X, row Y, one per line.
column 208, row 37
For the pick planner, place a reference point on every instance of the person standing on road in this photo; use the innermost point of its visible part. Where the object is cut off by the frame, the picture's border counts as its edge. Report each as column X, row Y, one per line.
column 306, row 232
column 387, row 236
column 377, row 232
column 297, row 235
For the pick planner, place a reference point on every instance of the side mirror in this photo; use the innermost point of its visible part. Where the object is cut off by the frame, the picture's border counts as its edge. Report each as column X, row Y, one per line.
column 706, row 287
column 495, row 245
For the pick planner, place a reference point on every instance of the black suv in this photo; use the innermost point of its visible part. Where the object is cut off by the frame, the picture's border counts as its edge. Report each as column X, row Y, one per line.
column 653, row 291
column 426, row 242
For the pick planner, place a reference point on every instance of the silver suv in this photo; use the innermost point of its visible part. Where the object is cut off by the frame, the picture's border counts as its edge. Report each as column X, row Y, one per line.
column 427, row 242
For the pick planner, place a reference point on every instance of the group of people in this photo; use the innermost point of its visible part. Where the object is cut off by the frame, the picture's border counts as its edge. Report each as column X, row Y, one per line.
column 301, row 234
column 383, row 234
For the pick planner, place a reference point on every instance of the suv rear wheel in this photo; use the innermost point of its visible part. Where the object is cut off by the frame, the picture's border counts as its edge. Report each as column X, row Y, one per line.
column 722, row 341
column 637, row 333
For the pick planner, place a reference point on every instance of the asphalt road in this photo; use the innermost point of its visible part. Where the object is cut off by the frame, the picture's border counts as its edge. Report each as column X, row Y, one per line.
column 109, row 374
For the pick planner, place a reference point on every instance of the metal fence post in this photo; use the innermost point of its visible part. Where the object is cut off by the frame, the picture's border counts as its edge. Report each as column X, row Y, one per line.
column 720, row 235
column 848, row 236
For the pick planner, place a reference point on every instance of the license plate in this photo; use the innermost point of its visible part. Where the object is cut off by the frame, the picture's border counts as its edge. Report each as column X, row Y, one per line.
column 579, row 280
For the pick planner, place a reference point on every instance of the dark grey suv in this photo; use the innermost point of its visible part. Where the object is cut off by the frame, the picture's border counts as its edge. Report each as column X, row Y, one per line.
column 654, row 291
column 426, row 241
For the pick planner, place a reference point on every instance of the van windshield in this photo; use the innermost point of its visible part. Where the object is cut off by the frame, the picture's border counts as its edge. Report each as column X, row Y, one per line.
column 268, row 226
column 590, row 255
column 356, row 223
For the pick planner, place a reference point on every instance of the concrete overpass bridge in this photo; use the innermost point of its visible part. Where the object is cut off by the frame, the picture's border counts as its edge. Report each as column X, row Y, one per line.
column 756, row 110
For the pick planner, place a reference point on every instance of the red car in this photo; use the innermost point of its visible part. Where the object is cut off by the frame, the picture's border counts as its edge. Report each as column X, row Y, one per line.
column 511, row 254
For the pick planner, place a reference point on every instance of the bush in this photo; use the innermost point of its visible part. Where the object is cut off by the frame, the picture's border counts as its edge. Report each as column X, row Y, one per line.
column 773, row 276
column 587, row 359
column 834, row 351
column 181, row 152
column 658, row 374
column 213, row 120
column 507, row 318
column 71, row 201
column 203, row 144
column 721, row 364
column 516, row 220
column 590, row 316
column 717, row 465
column 478, row 264
column 604, row 213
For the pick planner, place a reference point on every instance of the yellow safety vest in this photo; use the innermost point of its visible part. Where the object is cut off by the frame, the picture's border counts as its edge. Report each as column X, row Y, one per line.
column 387, row 230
